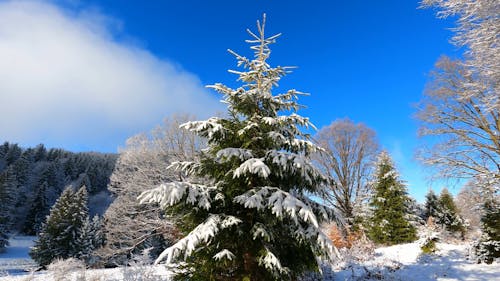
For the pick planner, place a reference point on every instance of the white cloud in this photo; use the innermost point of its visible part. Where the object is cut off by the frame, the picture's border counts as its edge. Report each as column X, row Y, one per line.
column 63, row 77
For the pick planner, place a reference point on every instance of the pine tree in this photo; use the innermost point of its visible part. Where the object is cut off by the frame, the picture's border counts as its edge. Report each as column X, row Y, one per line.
column 448, row 213
column 487, row 249
column 248, row 216
column 4, row 238
column 431, row 205
column 8, row 186
column 389, row 223
column 90, row 237
column 38, row 212
column 59, row 235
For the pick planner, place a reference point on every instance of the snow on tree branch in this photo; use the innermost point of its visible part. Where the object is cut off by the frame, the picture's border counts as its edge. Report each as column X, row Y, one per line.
column 227, row 153
column 296, row 163
column 253, row 166
column 203, row 233
column 224, row 254
column 271, row 262
column 189, row 167
column 207, row 128
column 279, row 202
column 169, row 194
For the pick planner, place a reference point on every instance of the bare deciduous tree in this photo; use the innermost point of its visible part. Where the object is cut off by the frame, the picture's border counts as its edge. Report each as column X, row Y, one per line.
column 131, row 227
column 469, row 202
column 467, row 142
column 350, row 151
column 461, row 106
column 478, row 26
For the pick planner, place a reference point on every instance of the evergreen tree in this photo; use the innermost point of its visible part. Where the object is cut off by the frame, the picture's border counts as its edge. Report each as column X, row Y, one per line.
column 13, row 153
column 8, row 189
column 23, row 166
column 487, row 249
column 90, row 237
column 40, row 153
column 38, row 212
column 431, row 205
column 448, row 213
column 390, row 221
column 59, row 236
column 4, row 237
column 248, row 216
column 8, row 186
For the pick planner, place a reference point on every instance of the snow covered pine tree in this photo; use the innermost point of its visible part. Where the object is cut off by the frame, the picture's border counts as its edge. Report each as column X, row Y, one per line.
column 431, row 207
column 448, row 214
column 487, row 249
column 390, row 222
column 61, row 235
column 8, row 186
column 249, row 217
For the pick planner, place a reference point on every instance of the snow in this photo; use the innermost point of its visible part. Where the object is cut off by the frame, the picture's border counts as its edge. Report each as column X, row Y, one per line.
column 16, row 260
column 242, row 154
column 399, row 262
column 203, row 233
column 404, row 262
column 271, row 262
column 253, row 166
column 171, row 193
column 224, row 254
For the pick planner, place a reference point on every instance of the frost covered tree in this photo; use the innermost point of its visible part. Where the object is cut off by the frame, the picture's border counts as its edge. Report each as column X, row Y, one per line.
column 59, row 236
column 390, row 221
column 469, row 202
column 39, row 210
column 448, row 213
column 469, row 142
column 248, row 216
column 477, row 30
column 487, row 249
column 4, row 238
column 350, row 152
column 461, row 106
column 89, row 238
column 431, row 207
column 131, row 227
column 8, row 186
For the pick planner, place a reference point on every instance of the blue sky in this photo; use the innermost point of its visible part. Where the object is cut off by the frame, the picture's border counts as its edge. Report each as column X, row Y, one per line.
column 116, row 68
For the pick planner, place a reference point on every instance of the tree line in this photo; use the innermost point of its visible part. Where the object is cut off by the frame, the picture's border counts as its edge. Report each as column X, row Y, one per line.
column 32, row 179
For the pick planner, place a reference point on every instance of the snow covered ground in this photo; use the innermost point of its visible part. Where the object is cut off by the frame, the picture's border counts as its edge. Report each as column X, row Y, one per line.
column 400, row 262
column 15, row 260
column 404, row 262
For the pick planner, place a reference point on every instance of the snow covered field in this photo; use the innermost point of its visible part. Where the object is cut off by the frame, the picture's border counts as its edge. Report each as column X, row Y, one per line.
column 404, row 262
column 15, row 260
column 400, row 262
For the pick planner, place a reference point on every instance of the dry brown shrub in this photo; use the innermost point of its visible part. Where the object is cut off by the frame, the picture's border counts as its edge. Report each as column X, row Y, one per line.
column 343, row 239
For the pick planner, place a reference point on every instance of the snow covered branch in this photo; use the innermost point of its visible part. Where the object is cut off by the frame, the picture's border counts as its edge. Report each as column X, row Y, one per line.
column 171, row 193
column 203, row 233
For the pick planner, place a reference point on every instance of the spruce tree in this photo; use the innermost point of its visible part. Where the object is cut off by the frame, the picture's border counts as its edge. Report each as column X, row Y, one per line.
column 59, row 236
column 90, row 237
column 390, row 220
column 487, row 249
column 431, row 205
column 39, row 210
column 8, row 186
column 448, row 213
column 246, row 214
column 4, row 238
